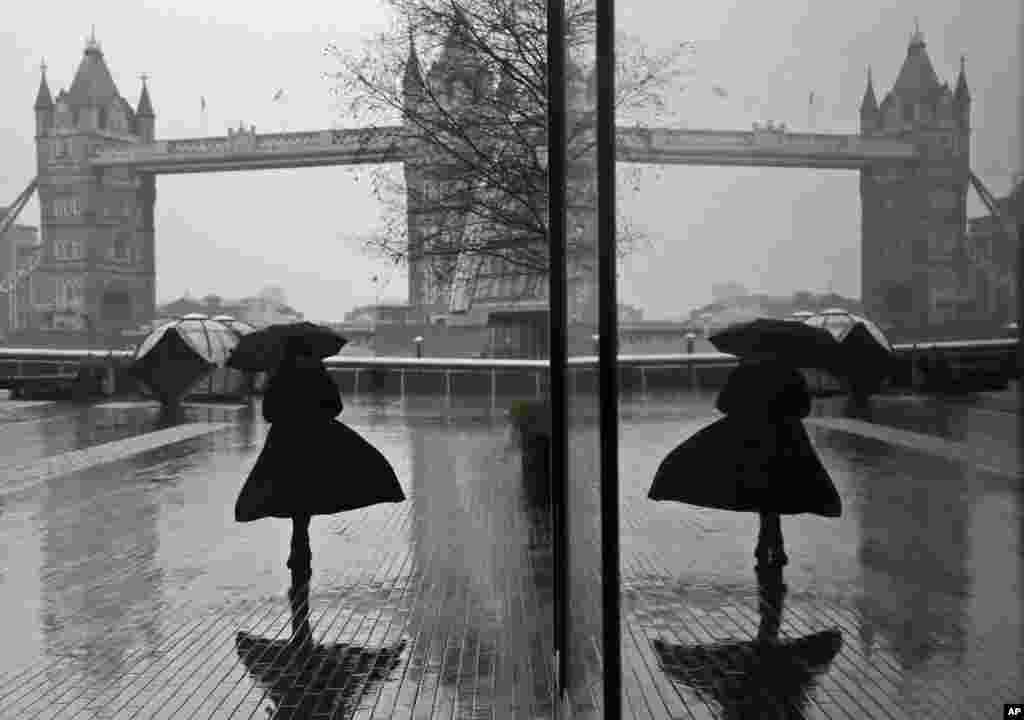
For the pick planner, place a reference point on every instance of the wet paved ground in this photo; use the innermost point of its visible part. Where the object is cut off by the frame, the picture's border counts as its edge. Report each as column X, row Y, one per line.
column 127, row 591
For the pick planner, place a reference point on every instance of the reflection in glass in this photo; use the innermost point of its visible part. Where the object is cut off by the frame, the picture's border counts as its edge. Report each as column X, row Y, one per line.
column 582, row 554
column 485, row 554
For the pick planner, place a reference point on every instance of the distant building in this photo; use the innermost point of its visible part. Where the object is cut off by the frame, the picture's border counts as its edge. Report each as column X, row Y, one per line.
column 97, row 272
column 384, row 314
column 485, row 290
column 914, row 216
column 257, row 311
column 17, row 247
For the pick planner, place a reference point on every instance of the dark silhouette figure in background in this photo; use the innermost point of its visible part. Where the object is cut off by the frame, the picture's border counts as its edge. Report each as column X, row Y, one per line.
column 295, row 475
column 760, row 678
column 758, row 458
column 305, row 679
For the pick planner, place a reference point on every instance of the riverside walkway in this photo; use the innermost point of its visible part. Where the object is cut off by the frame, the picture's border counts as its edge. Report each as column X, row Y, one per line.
column 128, row 591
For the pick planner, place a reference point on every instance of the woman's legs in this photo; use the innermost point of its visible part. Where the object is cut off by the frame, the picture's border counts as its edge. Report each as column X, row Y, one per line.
column 298, row 596
column 771, row 591
column 300, row 557
column 770, row 551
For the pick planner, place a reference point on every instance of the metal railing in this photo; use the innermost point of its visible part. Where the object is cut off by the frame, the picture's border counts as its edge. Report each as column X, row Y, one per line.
column 502, row 377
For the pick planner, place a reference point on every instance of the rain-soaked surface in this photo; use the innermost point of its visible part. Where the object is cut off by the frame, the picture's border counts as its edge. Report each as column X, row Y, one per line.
column 128, row 591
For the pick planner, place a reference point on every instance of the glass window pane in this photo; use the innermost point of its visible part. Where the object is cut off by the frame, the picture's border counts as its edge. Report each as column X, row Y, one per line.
column 584, row 680
column 770, row 178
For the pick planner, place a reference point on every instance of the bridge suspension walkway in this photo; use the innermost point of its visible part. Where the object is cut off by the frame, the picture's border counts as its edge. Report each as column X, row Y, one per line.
column 17, row 274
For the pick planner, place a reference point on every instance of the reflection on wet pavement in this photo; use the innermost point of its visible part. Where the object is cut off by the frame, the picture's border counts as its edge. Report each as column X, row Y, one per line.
column 129, row 591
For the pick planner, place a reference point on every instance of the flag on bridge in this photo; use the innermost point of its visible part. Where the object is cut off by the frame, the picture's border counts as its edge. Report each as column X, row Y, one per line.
column 719, row 91
column 278, row 95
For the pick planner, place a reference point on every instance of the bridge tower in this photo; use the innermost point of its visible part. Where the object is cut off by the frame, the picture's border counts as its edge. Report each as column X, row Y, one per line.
column 97, row 274
column 453, row 84
column 435, row 184
column 914, row 217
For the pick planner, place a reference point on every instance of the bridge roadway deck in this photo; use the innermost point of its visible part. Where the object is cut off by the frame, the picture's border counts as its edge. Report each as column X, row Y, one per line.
column 248, row 150
column 127, row 589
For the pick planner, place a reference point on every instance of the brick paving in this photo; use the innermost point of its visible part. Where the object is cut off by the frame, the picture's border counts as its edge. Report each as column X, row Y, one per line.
column 130, row 593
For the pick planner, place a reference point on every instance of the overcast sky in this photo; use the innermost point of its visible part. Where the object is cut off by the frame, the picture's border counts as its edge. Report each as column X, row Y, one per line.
column 775, row 230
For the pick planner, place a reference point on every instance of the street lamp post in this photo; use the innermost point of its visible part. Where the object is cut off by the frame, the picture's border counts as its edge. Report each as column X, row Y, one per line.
column 419, row 345
column 597, row 342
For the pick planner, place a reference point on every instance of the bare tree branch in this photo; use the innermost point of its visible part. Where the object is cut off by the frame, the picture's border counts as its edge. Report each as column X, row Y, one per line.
column 474, row 97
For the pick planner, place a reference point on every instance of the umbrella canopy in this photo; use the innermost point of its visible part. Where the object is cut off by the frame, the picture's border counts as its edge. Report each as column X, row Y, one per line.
column 866, row 361
column 208, row 339
column 794, row 343
column 263, row 349
column 840, row 322
column 864, row 350
column 169, row 364
column 238, row 327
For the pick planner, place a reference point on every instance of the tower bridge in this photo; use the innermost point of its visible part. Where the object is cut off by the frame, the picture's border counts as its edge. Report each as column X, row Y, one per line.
column 98, row 158
column 247, row 150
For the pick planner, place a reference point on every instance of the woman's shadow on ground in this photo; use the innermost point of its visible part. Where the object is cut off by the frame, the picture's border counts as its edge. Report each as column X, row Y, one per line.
column 764, row 677
column 305, row 679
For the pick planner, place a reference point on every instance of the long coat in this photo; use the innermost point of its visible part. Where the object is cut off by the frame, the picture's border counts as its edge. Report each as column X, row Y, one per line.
column 312, row 464
column 758, row 458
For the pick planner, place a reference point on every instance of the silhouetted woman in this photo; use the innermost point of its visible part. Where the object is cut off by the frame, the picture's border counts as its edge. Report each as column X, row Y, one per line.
column 758, row 458
column 299, row 472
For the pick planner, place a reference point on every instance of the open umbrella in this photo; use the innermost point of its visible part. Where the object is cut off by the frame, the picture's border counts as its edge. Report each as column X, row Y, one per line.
column 306, row 679
column 753, row 679
column 794, row 343
column 867, row 360
column 169, row 362
column 236, row 326
column 252, row 382
column 865, row 353
column 262, row 350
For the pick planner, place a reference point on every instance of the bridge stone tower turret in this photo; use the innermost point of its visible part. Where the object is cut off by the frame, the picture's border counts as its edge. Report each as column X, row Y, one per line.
column 914, row 217
column 97, row 272
column 414, row 90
